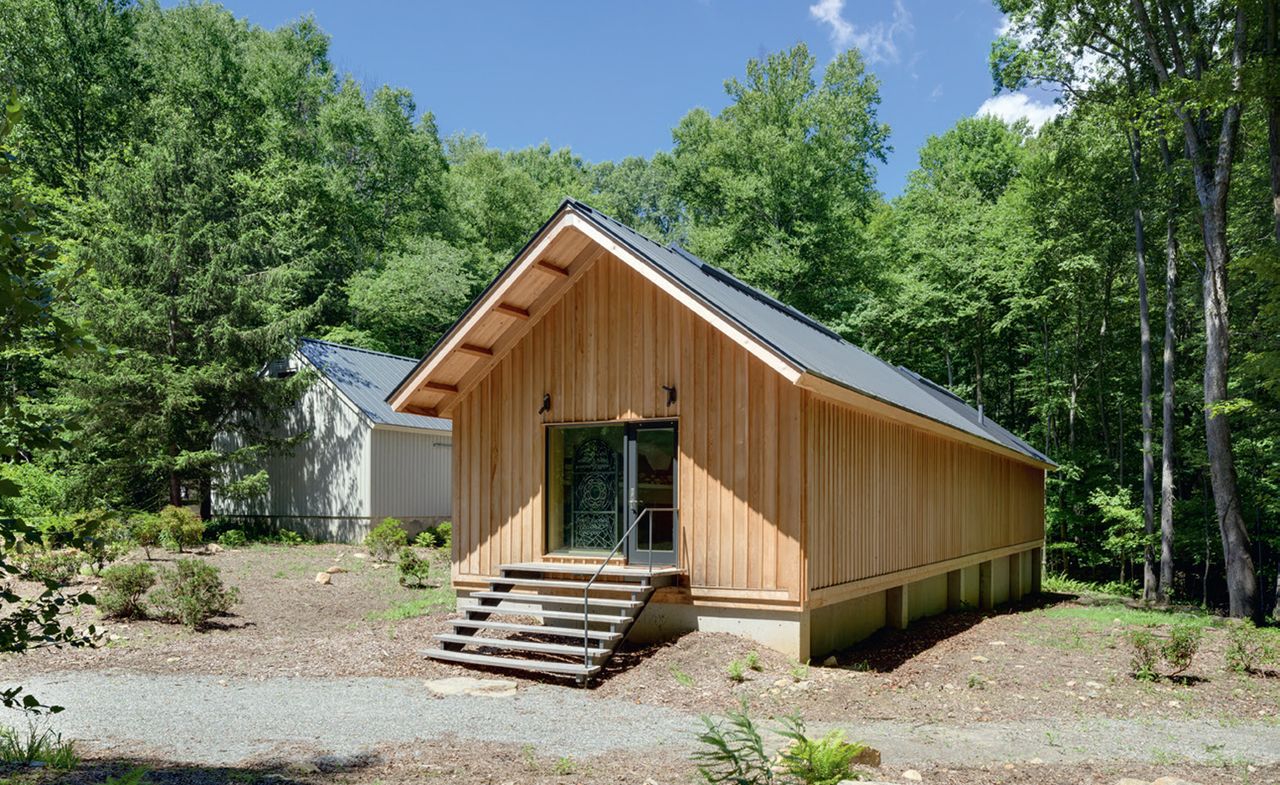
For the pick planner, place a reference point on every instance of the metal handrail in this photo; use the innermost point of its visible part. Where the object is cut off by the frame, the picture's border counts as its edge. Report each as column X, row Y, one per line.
column 586, row 592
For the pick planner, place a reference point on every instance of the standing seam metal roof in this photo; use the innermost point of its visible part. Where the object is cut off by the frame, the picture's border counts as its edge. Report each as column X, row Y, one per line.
column 805, row 342
column 366, row 378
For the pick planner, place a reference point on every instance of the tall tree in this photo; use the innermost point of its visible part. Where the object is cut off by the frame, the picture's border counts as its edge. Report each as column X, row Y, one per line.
column 778, row 185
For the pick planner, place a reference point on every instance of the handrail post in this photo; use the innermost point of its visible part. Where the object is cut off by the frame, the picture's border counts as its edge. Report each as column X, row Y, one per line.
column 586, row 591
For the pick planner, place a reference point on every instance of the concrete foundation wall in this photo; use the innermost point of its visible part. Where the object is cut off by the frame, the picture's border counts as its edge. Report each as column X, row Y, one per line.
column 927, row 597
column 838, row 626
column 1000, row 580
column 780, row 630
column 348, row 530
column 969, row 596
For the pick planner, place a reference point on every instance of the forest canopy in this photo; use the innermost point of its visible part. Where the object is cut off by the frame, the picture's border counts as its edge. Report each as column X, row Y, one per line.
column 208, row 191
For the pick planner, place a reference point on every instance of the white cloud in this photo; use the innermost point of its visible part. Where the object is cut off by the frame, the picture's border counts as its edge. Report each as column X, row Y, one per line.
column 878, row 42
column 1017, row 106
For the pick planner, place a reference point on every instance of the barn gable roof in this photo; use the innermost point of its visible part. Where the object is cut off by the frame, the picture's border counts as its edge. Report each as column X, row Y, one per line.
column 805, row 351
column 365, row 378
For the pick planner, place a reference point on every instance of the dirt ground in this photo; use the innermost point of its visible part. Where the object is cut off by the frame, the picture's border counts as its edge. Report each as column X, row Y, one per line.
column 1059, row 657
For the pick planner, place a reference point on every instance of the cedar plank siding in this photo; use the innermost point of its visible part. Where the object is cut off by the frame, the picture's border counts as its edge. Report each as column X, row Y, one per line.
column 739, row 440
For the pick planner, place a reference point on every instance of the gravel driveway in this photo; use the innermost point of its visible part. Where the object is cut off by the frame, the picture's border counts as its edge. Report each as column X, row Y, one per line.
column 210, row 720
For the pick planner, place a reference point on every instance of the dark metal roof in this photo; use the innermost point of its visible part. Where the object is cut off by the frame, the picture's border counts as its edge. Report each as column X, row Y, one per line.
column 366, row 378
column 804, row 342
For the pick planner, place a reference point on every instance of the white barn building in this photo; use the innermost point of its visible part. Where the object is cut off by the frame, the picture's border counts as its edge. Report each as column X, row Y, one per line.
column 362, row 461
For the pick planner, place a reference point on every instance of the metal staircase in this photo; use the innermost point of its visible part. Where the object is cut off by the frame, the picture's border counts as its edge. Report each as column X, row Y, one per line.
column 557, row 618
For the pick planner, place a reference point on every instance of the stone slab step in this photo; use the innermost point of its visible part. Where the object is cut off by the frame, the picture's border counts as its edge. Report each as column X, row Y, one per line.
column 567, row 649
column 555, row 599
column 514, row 663
column 535, row 629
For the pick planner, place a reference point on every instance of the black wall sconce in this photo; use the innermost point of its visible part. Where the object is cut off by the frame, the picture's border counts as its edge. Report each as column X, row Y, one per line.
column 671, row 394
column 546, row 403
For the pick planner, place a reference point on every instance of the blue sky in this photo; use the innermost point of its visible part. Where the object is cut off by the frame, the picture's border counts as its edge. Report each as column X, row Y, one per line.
column 610, row 79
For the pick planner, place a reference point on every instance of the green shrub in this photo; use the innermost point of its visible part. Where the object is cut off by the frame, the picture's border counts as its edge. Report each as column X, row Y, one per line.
column 122, row 590
column 58, row 532
column 146, row 529
column 737, row 672
column 233, row 538
column 1181, row 648
column 58, row 566
column 824, row 761
column 180, row 528
column 107, row 539
column 753, row 660
column 1144, row 655
column 290, row 537
column 192, row 593
column 1247, row 650
column 386, row 539
column 444, row 534
column 414, row 570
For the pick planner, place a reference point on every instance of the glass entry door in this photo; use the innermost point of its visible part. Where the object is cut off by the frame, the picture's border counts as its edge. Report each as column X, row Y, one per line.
column 651, row 465
column 601, row 477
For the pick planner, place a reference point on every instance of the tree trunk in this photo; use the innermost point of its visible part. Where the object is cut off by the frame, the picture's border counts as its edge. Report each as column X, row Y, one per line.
column 1150, row 584
column 206, row 498
column 1242, row 581
column 1165, row 586
column 1273, row 119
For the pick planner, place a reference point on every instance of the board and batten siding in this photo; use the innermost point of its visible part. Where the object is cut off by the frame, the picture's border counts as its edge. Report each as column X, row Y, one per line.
column 410, row 474
column 603, row 353
column 884, row 497
column 325, row 476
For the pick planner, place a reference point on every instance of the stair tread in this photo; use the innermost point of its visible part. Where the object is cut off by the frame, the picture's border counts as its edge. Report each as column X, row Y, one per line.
column 538, row 629
column 512, row 643
column 566, row 568
column 562, row 599
column 600, row 618
column 516, row 663
column 544, row 583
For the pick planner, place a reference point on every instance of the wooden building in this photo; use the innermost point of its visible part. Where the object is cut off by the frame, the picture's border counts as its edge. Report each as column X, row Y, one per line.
column 800, row 491
column 359, row 462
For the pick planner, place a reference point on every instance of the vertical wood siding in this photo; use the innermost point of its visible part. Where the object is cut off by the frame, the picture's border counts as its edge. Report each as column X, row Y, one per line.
column 884, row 497
column 603, row 353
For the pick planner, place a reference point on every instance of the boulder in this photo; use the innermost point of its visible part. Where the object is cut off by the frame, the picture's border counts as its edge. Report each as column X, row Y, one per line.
column 911, row 775
column 870, row 756
column 335, row 570
column 324, row 578
column 830, row 662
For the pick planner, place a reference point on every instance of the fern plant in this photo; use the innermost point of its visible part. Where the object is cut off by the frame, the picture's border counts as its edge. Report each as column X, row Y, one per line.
column 824, row 761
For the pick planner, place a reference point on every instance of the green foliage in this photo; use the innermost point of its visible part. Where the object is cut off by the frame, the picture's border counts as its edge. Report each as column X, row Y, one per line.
column 1058, row 583
column 1181, row 647
column 52, row 567
column 737, row 671
column 1144, row 654
column 386, row 539
column 824, row 761
column 180, row 528
column 1177, row 651
column 134, row 776
column 565, row 767
column 290, row 538
column 192, row 593
column 233, row 538
column 682, row 678
column 414, row 570
column 1247, row 647
column 732, row 751
column 122, row 590
column 146, row 530
column 753, row 660
column 438, row 536
column 39, row 745
column 777, row 185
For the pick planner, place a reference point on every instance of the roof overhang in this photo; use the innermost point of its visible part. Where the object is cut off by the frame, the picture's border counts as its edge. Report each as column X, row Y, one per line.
column 557, row 256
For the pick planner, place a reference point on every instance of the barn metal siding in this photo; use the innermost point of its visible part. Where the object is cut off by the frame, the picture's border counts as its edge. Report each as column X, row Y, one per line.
column 411, row 475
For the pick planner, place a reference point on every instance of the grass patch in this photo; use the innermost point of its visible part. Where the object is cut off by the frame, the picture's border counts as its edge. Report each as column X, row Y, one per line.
column 431, row 600
column 1103, row 616
column 38, row 745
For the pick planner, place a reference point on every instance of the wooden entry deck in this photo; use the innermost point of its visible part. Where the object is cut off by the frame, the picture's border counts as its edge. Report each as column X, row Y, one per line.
column 575, row 628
